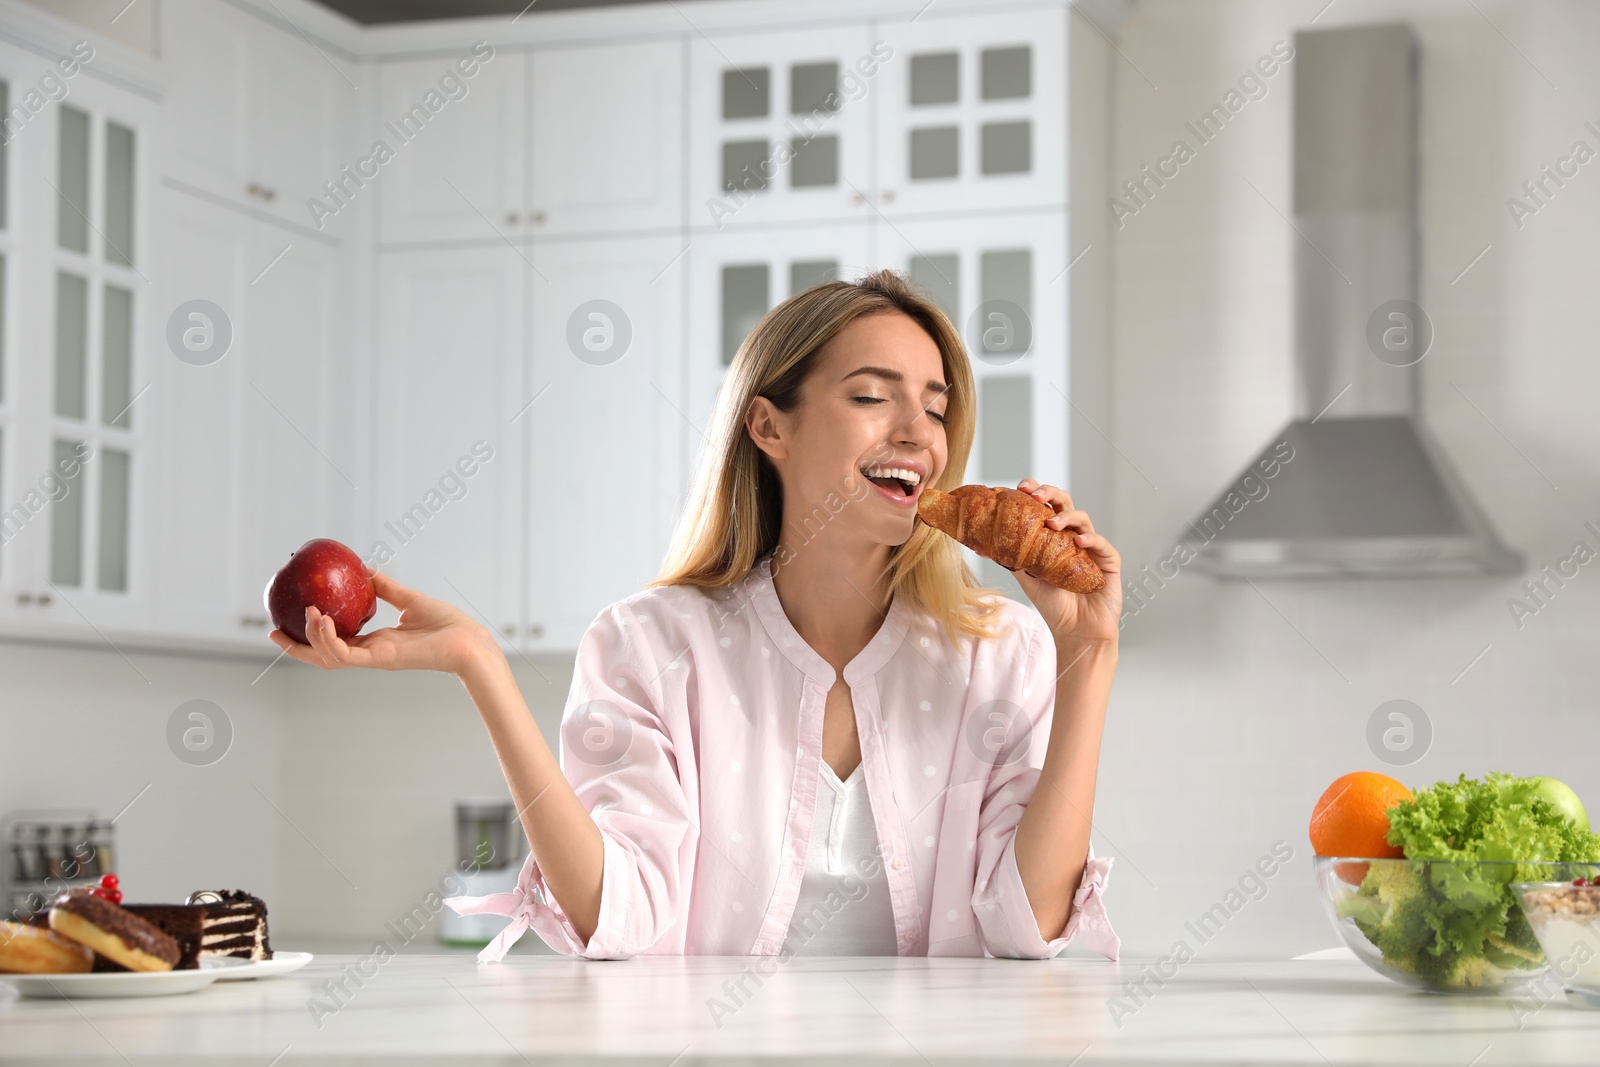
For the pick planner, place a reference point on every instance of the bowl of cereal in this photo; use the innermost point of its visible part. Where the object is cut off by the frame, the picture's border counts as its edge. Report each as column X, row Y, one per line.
column 1565, row 917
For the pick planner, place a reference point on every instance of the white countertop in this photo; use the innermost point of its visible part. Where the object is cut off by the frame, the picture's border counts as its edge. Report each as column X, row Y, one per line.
column 448, row 1009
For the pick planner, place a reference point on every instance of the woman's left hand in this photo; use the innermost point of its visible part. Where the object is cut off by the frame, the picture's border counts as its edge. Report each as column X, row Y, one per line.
column 1076, row 617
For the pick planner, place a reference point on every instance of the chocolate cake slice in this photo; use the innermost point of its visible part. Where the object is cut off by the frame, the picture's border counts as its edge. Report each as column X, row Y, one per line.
column 181, row 922
column 234, row 924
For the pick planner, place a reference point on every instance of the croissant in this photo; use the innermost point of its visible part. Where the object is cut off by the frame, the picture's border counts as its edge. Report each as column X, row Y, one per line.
column 1008, row 526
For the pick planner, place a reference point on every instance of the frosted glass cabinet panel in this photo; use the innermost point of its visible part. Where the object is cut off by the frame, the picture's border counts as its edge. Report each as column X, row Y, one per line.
column 94, row 432
column 971, row 113
column 780, row 126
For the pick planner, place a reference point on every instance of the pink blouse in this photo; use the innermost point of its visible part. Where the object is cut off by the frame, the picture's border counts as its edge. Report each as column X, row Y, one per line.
column 693, row 735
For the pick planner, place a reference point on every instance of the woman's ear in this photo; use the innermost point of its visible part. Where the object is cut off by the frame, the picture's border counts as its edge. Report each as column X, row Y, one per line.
column 766, row 425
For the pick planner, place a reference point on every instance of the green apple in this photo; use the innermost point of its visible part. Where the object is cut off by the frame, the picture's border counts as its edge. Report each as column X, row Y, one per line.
column 1562, row 798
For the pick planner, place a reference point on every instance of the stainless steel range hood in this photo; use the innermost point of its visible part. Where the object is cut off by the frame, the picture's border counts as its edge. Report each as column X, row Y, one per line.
column 1354, row 486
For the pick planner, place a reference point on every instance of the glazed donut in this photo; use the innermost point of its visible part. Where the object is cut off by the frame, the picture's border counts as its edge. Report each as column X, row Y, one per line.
column 28, row 949
column 117, row 934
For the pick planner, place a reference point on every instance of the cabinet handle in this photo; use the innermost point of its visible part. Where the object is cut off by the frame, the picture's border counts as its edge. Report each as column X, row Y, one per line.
column 254, row 622
column 536, row 629
column 857, row 198
column 536, row 217
column 509, row 629
column 886, row 197
column 261, row 192
column 43, row 599
column 512, row 218
column 24, row 598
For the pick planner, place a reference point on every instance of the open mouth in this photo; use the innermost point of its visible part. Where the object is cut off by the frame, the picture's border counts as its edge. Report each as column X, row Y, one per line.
column 895, row 481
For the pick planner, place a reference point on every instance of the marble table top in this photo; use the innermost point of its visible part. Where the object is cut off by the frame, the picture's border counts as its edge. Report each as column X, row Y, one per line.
column 448, row 1009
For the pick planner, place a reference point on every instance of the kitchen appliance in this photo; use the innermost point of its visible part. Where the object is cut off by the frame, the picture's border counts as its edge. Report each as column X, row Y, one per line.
column 1367, row 491
column 48, row 851
column 489, row 852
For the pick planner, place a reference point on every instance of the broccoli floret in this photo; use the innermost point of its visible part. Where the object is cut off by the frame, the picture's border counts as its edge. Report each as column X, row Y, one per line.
column 1469, row 972
column 1404, row 933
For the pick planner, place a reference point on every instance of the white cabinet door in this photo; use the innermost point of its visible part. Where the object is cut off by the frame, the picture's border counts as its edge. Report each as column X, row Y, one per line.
column 972, row 112
column 738, row 276
column 448, row 453
column 94, row 259
column 607, row 430
column 607, row 137
column 209, row 256
column 208, row 142
column 1003, row 282
column 252, row 459
column 299, row 105
column 779, row 126
column 296, row 478
column 456, row 173
column 255, row 114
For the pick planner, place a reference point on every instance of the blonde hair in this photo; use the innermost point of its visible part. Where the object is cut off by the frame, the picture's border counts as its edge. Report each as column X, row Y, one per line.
column 734, row 510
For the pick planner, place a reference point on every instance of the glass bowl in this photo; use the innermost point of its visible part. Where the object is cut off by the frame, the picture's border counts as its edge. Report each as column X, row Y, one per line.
column 1566, row 920
column 1444, row 926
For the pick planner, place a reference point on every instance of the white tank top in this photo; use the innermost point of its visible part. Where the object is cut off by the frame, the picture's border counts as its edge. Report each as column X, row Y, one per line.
column 841, row 911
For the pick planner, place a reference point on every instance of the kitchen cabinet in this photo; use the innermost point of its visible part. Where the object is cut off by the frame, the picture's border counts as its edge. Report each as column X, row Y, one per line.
column 606, row 138
column 252, row 460
column 259, row 116
column 449, row 429
column 458, row 174
column 608, row 428
column 780, row 126
column 197, row 552
column 536, row 199
column 554, row 141
column 75, row 451
column 971, row 112
column 297, row 477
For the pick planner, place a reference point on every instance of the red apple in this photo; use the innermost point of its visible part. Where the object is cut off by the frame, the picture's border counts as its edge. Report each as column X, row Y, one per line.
column 325, row 573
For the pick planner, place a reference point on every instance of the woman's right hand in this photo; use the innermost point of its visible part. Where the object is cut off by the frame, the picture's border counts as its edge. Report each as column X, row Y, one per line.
column 430, row 636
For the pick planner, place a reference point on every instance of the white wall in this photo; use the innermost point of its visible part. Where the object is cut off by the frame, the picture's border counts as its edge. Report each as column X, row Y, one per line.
column 87, row 728
column 373, row 764
column 1228, row 720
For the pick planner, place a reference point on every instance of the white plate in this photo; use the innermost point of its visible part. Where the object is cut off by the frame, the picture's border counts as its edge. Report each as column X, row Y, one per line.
column 280, row 963
column 109, row 984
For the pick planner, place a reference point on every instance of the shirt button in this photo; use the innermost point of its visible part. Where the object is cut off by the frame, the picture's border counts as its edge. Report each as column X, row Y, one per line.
column 899, row 864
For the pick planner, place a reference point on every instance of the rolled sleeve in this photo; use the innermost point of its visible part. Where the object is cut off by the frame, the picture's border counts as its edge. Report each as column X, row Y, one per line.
column 1010, row 928
column 1000, row 900
column 628, row 919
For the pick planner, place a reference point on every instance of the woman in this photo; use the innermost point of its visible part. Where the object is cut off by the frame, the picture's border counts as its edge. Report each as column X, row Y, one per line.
column 813, row 732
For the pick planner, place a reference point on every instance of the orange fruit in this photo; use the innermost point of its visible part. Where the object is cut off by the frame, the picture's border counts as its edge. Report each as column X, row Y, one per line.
column 1352, row 819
